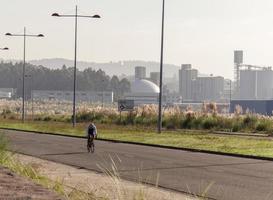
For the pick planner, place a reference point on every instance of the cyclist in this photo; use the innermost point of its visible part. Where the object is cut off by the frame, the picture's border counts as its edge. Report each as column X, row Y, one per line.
column 91, row 133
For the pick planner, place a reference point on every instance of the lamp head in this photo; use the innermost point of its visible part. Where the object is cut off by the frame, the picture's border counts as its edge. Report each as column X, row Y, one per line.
column 96, row 16
column 55, row 15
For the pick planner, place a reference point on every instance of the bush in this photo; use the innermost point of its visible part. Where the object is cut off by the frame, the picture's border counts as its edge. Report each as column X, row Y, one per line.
column 250, row 121
column 225, row 123
column 47, row 119
column 264, row 125
column 209, row 123
column 89, row 116
column 187, row 122
column 172, row 122
column 236, row 126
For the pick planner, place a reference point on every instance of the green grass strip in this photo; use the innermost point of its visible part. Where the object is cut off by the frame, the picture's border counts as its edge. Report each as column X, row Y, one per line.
column 183, row 139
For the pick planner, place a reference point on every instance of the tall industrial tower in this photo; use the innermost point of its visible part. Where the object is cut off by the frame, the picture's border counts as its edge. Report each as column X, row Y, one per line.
column 238, row 61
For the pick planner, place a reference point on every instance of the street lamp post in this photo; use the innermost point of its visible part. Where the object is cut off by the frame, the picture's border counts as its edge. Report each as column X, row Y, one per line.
column 4, row 49
column 24, row 35
column 76, row 16
column 159, row 125
column 31, row 95
column 230, row 94
column 102, row 95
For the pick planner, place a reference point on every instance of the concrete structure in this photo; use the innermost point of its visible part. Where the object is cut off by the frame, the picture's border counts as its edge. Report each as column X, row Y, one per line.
column 155, row 77
column 194, row 88
column 81, row 96
column 7, row 93
column 143, row 92
column 256, row 84
column 209, row 88
column 263, row 107
column 186, row 76
column 140, row 72
column 238, row 61
column 146, row 92
column 173, row 99
column 228, row 90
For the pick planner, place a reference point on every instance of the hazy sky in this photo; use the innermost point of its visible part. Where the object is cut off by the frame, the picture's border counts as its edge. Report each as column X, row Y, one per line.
column 201, row 32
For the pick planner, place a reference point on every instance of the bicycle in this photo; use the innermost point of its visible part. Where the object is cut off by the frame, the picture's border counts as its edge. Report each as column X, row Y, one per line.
column 90, row 145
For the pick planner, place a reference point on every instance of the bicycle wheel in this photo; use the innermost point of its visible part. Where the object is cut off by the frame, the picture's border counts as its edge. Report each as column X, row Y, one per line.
column 89, row 144
column 88, row 148
column 92, row 147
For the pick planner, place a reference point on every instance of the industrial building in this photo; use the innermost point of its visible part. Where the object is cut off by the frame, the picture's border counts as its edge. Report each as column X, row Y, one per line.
column 143, row 92
column 7, row 93
column 256, row 84
column 81, row 96
column 194, row 88
column 140, row 72
column 209, row 88
column 146, row 92
column 252, row 82
column 228, row 90
column 253, row 87
column 155, row 77
column 186, row 76
column 263, row 107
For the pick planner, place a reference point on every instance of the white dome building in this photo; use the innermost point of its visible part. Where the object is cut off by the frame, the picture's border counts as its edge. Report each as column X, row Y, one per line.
column 143, row 92
column 144, row 86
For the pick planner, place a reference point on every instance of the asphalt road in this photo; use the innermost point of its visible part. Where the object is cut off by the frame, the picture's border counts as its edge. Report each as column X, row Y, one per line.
column 223, row 177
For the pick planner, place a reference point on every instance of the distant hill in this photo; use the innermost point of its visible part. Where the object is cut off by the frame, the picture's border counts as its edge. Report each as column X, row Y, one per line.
column 111, row 68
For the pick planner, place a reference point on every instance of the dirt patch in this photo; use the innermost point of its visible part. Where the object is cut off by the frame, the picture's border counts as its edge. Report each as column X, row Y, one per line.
column 101, row 186
column 14, row 187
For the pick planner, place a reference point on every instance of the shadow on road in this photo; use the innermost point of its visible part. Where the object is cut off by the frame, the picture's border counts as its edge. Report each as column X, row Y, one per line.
column 62, row 154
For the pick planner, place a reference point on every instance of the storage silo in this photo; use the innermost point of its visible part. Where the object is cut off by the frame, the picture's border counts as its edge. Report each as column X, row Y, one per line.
column 238, row 60
column 265, row 84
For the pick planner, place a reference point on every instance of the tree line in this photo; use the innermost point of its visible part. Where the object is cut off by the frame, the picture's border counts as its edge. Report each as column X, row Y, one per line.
column 42, row 78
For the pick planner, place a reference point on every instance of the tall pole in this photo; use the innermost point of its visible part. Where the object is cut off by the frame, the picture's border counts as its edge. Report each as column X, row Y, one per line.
column 32, row 108
column 230, row 82
column 230, row 90
column 75, row 60
column 75, row 68
column 102, row 95
column 24, row 66
column 24, row 72
column 159, row 125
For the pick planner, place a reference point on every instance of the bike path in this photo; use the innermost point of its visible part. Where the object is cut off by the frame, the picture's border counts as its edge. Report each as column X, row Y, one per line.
column 223, row 177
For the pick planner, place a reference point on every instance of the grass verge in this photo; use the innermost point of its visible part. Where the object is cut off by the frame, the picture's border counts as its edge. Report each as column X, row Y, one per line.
column 118, row 189
column 183, row 139
column 9, row 160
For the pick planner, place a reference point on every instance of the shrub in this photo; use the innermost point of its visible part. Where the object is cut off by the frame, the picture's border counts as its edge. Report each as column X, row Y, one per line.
column 264, row 125
column 236, row 126
column 47, row 119
column 187, row 123
column 209, row 123
column 250, row 121
column 197, row 122
column 225, row 123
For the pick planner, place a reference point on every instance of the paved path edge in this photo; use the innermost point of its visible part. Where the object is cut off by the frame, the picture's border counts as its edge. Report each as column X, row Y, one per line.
column 151, row 145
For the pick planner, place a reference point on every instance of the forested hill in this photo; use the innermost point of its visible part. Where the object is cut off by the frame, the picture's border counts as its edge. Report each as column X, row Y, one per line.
column 42, row 78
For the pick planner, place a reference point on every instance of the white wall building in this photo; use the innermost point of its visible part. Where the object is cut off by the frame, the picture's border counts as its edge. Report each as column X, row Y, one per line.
column 210, row 88
column 81, row 96
column 146, row 92
column 143, row 92
column 186, row 76
column 256, row 84
column 7, row 93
